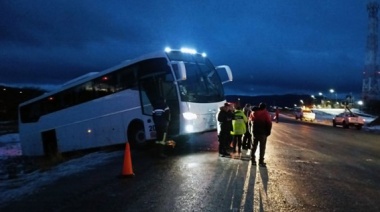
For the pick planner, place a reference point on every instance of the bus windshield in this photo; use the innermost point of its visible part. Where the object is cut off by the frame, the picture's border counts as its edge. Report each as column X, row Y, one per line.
column 203, row 83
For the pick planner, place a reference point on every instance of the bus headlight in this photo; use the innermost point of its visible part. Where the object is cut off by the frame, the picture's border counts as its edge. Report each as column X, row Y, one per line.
column 189, row 128
column 189, row 116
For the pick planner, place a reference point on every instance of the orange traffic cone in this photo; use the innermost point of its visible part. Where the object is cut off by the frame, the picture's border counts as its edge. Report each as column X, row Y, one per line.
column 127, row 168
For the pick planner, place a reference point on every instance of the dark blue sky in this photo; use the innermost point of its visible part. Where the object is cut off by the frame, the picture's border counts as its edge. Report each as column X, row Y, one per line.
column 272, row 46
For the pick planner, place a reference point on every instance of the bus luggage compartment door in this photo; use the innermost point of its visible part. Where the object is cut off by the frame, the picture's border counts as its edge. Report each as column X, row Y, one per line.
column 49, row 142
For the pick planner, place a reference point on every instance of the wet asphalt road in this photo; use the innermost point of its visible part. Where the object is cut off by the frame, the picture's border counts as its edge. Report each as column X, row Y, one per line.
column 310, row 167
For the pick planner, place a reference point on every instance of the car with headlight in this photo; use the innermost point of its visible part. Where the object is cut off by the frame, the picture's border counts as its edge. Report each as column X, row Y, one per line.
column 304, row 114
column 348, row 119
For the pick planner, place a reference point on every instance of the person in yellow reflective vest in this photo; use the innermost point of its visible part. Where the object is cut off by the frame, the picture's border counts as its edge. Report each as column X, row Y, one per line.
column 238, row 128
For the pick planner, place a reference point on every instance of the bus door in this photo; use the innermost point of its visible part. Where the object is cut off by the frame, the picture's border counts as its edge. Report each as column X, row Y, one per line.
column 156, row 82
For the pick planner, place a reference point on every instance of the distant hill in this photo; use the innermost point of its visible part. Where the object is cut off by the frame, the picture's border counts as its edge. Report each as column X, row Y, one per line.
column 287, row 100
column 11, row 97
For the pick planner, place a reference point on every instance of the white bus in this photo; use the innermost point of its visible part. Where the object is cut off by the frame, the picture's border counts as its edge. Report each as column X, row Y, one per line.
column 114, row 106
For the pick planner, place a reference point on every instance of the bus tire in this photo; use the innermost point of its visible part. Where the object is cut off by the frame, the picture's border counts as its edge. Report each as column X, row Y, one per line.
column 136, row 134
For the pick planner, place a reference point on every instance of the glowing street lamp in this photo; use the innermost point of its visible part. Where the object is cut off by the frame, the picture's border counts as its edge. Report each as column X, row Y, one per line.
column 332, row 91
column 360, row 103
column 322, row 98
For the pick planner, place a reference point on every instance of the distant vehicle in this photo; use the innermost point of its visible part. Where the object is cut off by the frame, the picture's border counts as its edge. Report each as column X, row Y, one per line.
column 115, row 106
column 304, row 114
column 347, row 119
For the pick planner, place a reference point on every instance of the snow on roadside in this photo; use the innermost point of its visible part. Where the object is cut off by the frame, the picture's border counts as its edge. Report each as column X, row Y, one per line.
column 24, row 182
column 27, row 183
column 10, row 145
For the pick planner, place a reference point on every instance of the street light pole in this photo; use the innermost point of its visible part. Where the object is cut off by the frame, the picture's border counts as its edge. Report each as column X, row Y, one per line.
column 332, row 96
column 322, row 98
column 312, row 100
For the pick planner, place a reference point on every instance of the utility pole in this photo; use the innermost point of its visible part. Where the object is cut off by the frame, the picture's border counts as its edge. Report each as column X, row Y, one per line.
column 371, row 74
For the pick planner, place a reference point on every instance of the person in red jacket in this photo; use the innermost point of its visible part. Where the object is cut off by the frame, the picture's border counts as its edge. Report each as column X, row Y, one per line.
column 277, row 114
column 262, row 126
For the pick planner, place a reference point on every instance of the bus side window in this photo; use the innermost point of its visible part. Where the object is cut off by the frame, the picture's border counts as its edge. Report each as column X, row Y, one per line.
column 68, row 98
column 104, row 85
column 125, row 79
column 146, row 104
column 85, row 92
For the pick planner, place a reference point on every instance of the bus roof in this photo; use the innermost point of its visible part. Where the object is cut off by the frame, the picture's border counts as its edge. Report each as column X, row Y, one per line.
column 93, row 75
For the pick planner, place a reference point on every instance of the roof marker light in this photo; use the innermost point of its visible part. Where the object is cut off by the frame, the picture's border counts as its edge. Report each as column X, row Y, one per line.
column 168, row 49
column 204, row 54
column 187, row 50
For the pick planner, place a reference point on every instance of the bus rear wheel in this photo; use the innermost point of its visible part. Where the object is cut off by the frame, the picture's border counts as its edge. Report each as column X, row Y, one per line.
column 136, row 135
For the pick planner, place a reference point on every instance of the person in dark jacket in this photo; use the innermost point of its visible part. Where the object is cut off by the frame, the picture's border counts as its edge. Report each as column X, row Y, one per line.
column 262, row 126
column 161, row 119
column 225, row 116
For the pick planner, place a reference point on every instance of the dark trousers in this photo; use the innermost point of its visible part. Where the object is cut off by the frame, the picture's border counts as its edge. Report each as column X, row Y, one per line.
column 247, row 139
column 237, row 140
column 161, row 134
column 262, row 139
column 224, row 140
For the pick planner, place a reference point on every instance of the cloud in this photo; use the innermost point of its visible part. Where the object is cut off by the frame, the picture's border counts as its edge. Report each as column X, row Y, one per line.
column 278, row 44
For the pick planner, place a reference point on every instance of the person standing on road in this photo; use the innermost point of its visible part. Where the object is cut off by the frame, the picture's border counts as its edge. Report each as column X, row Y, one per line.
column 247, row 137
column 238, row 128
column 161, row 119
column 277, row 114
column 262, row 126
column 224, row 117
column 250, row 125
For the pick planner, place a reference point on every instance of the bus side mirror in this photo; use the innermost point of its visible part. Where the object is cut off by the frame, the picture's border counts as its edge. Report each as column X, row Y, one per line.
column 228, row 71
column 179, row 70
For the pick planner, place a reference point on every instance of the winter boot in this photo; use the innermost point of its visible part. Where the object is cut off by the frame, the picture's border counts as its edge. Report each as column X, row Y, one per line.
column 253, row 160
column 262, row 164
